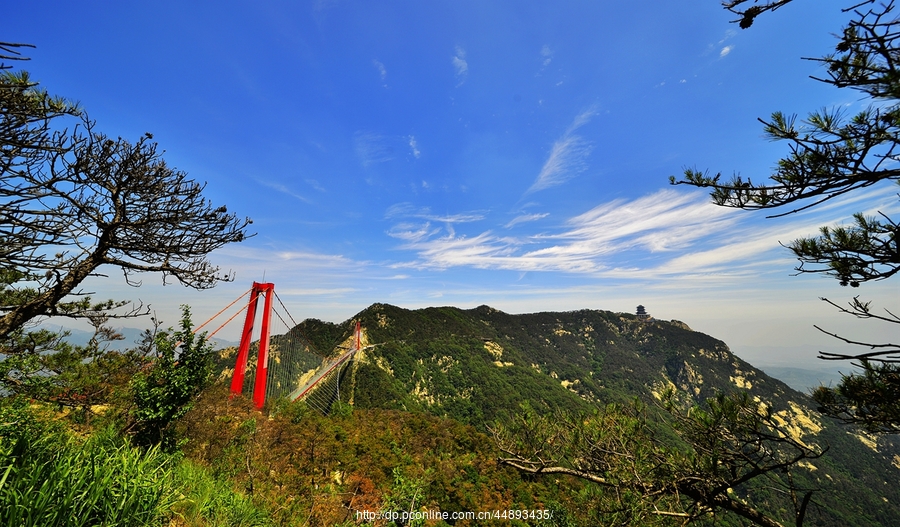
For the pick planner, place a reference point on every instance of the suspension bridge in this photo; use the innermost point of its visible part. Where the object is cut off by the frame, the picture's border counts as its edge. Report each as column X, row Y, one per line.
column 284, row 365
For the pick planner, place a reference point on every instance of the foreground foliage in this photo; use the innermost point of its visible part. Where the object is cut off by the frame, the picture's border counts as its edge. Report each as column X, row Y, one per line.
column 719, row 455
column 50, row 477
column 315, row 470
column 870, row 399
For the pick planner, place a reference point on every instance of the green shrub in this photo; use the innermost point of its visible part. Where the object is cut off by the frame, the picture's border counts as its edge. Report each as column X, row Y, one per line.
column 165, row 392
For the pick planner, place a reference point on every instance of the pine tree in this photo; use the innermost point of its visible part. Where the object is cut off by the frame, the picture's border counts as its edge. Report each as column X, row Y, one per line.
column 830, row 155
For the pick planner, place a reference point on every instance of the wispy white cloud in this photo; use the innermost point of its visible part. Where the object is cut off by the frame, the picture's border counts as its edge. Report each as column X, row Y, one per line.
column 412, row 232
column 283, row 189
column 309, row 257
column 878, row 198
column 662, row 221
column 460, row 64
column 315, row 184
column 415, row 233
column 568, row 156
column 661, row 236
column 318, row 291
column 524, row 218
column 484, row 251
column 408, row 210
column 582, row 247
column 251, row 260
column 720, row 46
column 547, row 55
column 382, row 71
column 372, row 148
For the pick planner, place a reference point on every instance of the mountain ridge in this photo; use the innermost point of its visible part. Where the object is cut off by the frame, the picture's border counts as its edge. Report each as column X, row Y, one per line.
column 477, row 366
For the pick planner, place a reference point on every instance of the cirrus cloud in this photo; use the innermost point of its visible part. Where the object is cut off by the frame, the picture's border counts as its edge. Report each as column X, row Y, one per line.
column 460, row 64
column 568, row 156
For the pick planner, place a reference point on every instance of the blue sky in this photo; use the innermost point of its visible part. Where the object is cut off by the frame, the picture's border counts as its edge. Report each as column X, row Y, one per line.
column 514, row 154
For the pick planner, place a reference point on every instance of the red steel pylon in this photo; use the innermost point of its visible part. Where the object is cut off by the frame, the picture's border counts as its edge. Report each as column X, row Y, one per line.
column 262, row 362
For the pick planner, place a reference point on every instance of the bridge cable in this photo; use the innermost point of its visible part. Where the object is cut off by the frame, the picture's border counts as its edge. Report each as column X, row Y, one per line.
column 198, row 328
column 288, row 313
column 309, row 343
column 285, row 371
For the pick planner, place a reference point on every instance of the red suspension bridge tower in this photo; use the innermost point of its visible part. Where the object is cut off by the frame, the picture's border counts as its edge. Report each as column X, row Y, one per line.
column 267, row 290
column 294, row 373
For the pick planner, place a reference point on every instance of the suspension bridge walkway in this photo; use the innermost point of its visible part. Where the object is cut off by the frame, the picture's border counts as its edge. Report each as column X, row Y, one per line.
column 285, row 365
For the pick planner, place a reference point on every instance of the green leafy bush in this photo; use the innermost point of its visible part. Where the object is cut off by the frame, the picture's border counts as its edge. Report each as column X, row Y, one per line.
column 181, row 369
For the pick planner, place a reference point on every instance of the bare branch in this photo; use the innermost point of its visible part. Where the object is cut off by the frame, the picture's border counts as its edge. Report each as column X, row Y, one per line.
column 524, row 466
column 748, row 15
column 861, row 309
column 892, row 348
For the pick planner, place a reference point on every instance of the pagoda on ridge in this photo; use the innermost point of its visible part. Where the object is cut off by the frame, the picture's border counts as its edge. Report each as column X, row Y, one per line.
column 642, row 313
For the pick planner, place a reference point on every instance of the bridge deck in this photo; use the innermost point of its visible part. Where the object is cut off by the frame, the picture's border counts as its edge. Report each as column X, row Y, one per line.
column 324, row 370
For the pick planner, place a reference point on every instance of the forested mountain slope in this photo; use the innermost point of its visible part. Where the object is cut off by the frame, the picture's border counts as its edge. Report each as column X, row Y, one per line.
column 479, row 366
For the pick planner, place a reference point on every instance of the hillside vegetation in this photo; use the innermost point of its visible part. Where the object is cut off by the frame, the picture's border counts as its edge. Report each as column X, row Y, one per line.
column 479, row 366
column 415, row 429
